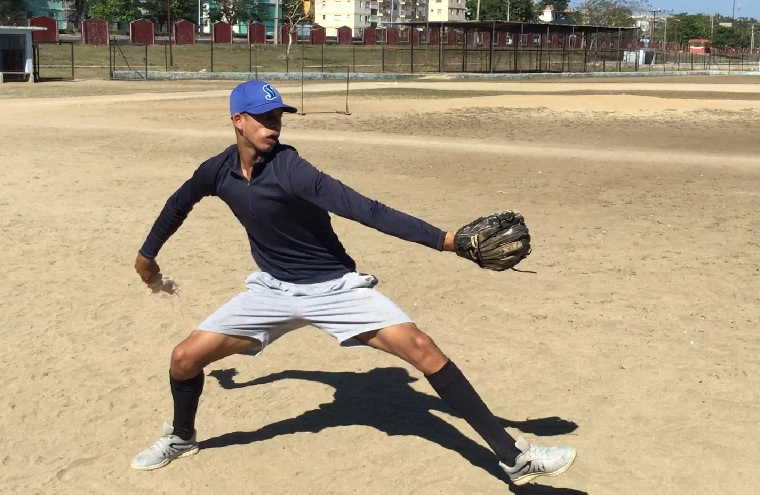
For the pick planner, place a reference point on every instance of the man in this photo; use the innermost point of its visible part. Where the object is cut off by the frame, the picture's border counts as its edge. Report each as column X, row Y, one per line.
column 306, row 278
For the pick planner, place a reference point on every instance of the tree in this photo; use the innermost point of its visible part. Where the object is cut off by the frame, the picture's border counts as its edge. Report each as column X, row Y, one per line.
column 77, row 12
column 618, row 13
column 11, row 11
column 560, row 5
column 496, row 10
column 114, row 10
column 236, row 11
column 294, row 15
column 737, row 36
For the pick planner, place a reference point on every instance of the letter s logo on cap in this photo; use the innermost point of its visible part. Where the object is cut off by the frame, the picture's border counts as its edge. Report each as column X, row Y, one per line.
column 269, row 92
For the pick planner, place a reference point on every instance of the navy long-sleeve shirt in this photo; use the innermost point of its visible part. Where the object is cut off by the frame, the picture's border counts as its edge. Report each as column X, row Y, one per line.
column 284, row 210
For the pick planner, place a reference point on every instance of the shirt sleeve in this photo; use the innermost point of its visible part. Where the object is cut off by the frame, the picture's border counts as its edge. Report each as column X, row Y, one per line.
column 179, row 205
column 307, row 182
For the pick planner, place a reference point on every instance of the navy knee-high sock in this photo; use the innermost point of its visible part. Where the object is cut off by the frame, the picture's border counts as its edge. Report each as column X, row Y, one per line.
column 186, row 394
column 457, row 392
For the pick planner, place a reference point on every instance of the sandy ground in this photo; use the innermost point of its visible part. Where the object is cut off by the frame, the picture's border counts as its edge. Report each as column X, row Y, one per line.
column 635, row 340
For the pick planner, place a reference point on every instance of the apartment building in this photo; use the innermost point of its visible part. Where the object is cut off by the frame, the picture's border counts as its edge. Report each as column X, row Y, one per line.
column 358, row 14
column 446, row 10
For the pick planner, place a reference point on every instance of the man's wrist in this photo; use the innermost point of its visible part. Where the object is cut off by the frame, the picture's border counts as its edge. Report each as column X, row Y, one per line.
column 448, row 241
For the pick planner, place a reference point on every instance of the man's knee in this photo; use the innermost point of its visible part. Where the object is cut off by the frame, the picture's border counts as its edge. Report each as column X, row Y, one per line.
column 184, row 363
column 421, row 343
column 424, row 354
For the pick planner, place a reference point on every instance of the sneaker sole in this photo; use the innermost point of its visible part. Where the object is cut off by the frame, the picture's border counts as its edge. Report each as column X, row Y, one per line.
column 530, row 477
column 166, row 461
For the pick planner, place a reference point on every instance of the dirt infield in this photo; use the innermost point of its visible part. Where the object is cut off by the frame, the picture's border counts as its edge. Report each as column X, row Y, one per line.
column 635, row 340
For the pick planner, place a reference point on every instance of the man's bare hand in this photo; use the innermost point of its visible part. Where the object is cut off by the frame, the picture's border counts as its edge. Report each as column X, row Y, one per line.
column 147, row 268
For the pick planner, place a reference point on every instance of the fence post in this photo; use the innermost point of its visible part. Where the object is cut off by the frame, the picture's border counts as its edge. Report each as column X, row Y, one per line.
column 353, row 57
column 382, row 56
column 585, row 53
column 323, row 58
column 517, row 59
column 212, row 51
column 146, row 61
column 256, row 60
column 411, row 50
column 490, row 47
column 348, row 78
column 35, row 62
column 250, row 57
column 440, row 49
column 540, row 58
column 464, row 50
column 72, row 59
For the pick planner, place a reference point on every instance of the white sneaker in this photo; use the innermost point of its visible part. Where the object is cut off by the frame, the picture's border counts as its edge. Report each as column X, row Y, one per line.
column 165, row 450
column 538, row 461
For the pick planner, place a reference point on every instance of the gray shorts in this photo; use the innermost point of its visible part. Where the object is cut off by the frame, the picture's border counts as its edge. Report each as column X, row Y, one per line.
column 344, row 308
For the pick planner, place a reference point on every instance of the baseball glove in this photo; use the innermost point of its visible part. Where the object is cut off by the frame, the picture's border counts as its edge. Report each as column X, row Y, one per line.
column 496, row 242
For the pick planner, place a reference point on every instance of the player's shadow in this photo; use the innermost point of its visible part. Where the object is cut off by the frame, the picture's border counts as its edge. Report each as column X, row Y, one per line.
column 382, row 398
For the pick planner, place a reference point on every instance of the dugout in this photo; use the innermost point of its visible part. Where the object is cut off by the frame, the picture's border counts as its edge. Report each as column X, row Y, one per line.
column 17, row 53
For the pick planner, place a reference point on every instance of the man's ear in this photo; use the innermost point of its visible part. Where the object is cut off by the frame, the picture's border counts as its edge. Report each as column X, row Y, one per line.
column 237, row 120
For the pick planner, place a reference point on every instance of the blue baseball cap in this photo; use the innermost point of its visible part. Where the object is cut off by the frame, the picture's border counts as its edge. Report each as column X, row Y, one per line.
column 256, row 97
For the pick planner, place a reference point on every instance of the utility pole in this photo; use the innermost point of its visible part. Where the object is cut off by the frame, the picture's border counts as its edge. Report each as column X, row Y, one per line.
column 733, row 12
column 477, row 12
column 654, row 24
column 712, row 27
column 509, row 9
column 752, row 42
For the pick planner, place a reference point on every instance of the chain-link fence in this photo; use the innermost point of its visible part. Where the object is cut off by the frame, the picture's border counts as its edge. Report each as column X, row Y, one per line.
column 523, row 54
column 55, row 61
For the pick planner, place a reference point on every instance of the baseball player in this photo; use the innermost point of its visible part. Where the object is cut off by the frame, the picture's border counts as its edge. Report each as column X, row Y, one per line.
column 308, row 278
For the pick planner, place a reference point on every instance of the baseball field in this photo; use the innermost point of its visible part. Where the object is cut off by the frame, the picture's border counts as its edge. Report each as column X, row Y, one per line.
column 635, row 340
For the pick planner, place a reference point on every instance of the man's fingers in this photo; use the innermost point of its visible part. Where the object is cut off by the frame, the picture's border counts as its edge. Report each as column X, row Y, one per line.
column 159, row 283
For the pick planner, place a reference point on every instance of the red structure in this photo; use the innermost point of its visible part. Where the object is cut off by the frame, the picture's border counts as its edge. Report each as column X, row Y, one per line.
column 414, row 36
column 257, row 33
column 318, row 35
column 451, row 37
column 95, row 32
column 286, row 31
column 184, row 32
column 142, row 32
column 503, row 39
column 222, row 32
column 434, row 35
column 485, row 38
column 700, row 46
column 369, row 36
column 49, row 36
column 392, row 36
column 345, row 36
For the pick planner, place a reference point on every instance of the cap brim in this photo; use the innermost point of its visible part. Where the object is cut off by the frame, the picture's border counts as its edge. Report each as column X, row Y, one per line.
column 268, row 107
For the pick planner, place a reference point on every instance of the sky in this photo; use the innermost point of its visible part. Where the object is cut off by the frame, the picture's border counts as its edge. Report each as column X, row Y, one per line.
column 744, row 8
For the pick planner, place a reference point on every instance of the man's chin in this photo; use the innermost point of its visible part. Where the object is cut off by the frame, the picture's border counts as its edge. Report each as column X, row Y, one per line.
column 267, row 147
